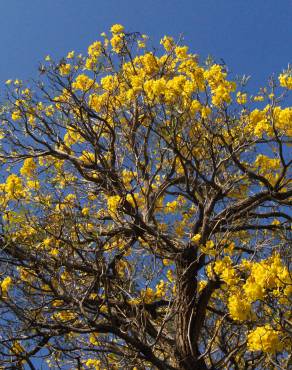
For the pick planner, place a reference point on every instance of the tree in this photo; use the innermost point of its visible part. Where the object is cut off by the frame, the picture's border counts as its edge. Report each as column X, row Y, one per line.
column 145, row 213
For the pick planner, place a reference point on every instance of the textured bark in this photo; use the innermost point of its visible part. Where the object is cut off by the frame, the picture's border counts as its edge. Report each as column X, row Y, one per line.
column 191, row 312
column 186, row 348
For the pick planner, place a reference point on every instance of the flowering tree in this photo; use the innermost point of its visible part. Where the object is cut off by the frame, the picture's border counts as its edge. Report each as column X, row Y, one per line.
column 145, row 214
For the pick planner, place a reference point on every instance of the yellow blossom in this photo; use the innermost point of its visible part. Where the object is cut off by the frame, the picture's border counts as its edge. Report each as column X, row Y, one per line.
column 83, row 83
column 117, row 28
column 148, row 295
column 17, row 348
column 239, row 307
column 64, row 69
column 166, row 262
column 167, row 43
column 241, row 98
column 113, row 203
column 141, row 44
column 160, row 289
column 196, row 238
column 170, row 275
column 5, row 285
column 85, row 211
column 54, row 252
column 266, row 339
column 209, row 248
column 171, row 206
column 14, row 186
column 258, row 98
column 93, row 364
column 28, row 168
column 181, row 52
column 285, row 80
column 70, row 55
column 95, row 49
column 16, row 115
column 117, row 42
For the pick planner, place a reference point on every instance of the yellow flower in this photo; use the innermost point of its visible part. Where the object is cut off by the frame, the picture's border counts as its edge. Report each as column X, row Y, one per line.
column 196, row 238
column 113, row 203
column 222, row 264
column 170, row 275
column 54, row 252
column 13, row 186
column 117, row 42
column 70, row 55
column 28, row 167
column 229, row 277
column 266, row 339
column 154, row 88
column 202, row 284
column 195, row 106
column 239, row 307
column 171, row 206
column 16, row 115
column 148, row 295
column 83, row 83
column 64, row 69
column 47, row 242
column 150, row 66
column 95, row 49
column 241, row 98
column 85, row 211
column 206, row 111
column 49, row 111
column 209, row 248
column 258, row 122
column 258, row 98
column 141, row 44
column 253, row 290
column 17, row 348
column 181, row 52
column 285, row 80
column 167, row 42
column 166, row 262
column 127, row 177
column 160, row 289
column 93, row 364
column 220, row 87
column 93, row 339
column 117, row 28
column 108, row 82
column 5, row 285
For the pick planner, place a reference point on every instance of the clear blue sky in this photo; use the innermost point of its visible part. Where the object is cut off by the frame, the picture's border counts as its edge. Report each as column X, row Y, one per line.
column 252, row 36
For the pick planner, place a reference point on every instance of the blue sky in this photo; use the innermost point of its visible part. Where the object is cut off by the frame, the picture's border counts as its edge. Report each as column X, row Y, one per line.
column 253, row 37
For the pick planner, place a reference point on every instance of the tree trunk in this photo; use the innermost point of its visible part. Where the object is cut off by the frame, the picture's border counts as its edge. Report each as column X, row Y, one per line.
column 186, row 340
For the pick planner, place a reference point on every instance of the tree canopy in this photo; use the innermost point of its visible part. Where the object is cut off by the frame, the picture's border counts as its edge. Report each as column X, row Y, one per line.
column 145, row 213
